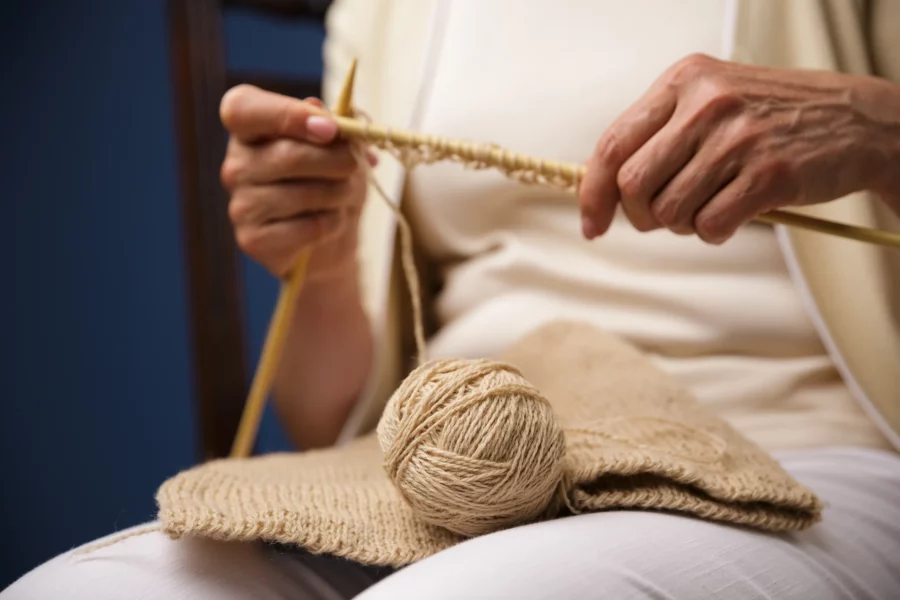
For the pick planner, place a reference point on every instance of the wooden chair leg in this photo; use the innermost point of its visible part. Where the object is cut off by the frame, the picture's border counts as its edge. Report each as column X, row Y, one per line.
column 213, row 270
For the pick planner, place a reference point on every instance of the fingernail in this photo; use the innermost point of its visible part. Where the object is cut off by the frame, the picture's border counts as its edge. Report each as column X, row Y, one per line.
column 321, row 129
column 588, row 229
column 373, row 158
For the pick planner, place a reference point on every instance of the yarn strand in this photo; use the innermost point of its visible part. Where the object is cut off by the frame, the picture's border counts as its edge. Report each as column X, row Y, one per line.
column 407, row 259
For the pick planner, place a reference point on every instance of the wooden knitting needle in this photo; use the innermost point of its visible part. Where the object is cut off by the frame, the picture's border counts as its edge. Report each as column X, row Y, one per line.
column 273, row 348
column 495, row 156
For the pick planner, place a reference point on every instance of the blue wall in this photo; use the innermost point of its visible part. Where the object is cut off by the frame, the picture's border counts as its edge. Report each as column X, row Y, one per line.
column 97, row 407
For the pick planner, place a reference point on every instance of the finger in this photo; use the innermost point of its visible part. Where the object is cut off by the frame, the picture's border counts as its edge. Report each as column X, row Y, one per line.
column 252, row 115
column 285, row 159
column 315, row 101
column 277, row 244
column 650, row 168
column 676, row 205
column 599, row 191
column 260, row 205
column 740, row 201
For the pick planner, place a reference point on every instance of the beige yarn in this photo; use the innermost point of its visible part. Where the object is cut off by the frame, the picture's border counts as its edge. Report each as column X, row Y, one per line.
column 414, row 149
column 472, row 446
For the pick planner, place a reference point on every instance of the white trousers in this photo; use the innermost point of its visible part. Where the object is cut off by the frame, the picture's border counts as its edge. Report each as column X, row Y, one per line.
column 853, row 554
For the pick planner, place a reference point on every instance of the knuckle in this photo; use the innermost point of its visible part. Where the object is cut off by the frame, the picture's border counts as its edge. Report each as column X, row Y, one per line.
column 665, row 211
column 609, row 150
column 232, row 172
column 292, row 118
column 287, row 153
column 630, row 182
column 240, row 210
column 232, row 101
column 691, row 67
column 252, row 241
column 718, row 97
column 744, row 132
column 674, row 207
column 289, row 158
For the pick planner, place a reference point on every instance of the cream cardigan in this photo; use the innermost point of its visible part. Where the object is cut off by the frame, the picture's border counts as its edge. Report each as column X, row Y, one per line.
column 851, row 288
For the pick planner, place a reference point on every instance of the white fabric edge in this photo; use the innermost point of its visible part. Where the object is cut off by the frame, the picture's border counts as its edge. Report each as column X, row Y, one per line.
column 828, row 341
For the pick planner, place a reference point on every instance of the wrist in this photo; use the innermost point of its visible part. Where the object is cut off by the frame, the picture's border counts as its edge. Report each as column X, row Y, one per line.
column 889, row 187
column 332, row 291
column 882, row 168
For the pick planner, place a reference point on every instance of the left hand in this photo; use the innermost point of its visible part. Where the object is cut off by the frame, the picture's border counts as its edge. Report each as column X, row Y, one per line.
column 713, row 144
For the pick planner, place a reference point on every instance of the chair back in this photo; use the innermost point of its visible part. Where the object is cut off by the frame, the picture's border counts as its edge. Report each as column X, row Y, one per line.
column 214, row 280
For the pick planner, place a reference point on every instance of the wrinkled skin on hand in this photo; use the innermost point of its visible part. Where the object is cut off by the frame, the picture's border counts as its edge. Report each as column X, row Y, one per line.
column 713, row 144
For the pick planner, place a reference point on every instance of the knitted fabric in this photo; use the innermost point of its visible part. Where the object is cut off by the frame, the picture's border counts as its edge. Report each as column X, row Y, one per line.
column 634, row 440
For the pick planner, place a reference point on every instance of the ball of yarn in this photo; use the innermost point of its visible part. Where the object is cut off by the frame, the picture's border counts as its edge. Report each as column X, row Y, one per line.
column 472, row 446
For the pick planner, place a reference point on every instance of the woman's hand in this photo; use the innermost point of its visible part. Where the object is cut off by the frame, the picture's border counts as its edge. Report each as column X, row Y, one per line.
column 293, row 185
column 712, row 144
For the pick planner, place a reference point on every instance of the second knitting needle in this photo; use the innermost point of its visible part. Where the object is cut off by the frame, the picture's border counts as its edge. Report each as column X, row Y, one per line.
column 282, row 318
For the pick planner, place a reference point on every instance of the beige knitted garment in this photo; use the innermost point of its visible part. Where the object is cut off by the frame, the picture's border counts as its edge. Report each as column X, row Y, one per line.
column 634, row 440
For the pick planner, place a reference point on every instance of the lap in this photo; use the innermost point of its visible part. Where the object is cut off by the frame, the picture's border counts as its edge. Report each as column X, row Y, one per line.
column 853, row 553
column 154, row 567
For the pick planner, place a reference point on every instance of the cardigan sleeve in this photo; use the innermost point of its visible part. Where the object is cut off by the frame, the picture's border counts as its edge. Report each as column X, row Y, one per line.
column 883, row 25
column 353, row 29
column 884, row 46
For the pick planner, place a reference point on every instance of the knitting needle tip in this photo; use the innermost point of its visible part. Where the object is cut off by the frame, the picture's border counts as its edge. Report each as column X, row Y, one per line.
column 343, row 107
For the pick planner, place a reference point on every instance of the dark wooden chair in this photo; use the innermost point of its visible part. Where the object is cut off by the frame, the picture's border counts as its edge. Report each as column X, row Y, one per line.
column 220, row 373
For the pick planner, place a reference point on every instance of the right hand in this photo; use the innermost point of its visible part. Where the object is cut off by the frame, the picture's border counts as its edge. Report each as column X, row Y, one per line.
column 293, row 183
